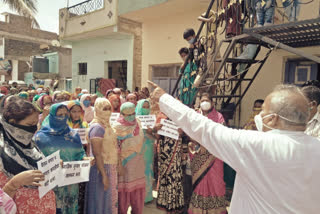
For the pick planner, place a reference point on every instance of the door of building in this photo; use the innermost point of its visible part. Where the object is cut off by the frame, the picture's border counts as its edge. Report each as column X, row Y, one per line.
column 165, row 75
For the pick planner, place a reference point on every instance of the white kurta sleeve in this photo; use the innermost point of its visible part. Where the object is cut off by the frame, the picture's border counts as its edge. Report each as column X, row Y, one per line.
column 230, row 145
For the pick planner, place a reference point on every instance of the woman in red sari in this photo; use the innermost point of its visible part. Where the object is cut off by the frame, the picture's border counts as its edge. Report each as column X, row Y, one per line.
column 208, row 196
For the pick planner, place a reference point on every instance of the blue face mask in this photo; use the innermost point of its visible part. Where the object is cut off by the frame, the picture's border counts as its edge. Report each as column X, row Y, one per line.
column 130, row 118
column 191, row 41
column 86, row 103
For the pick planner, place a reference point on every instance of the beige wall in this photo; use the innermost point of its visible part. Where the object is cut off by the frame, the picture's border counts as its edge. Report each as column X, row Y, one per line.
column 163, row 37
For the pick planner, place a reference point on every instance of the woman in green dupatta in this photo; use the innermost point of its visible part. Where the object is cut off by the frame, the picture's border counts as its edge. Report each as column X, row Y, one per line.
column 143, row 108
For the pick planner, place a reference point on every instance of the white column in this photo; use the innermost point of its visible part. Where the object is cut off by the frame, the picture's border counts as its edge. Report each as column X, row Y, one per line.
column 3, row 78
column 15, row 70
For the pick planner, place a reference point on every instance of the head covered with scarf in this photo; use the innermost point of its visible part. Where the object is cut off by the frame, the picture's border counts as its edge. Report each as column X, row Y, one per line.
column 101, row 115
column 56, row 134
column 140, row 110
column 132, row 97
column 41, row 100
column 114, row 98
column 86, row 106
column 56, row 125
column 18, row 151
column 128, row 132
column 78, row 123
column 24, row 95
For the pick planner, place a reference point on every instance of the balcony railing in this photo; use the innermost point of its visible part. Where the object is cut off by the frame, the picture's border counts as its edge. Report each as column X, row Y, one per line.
column 85, row 7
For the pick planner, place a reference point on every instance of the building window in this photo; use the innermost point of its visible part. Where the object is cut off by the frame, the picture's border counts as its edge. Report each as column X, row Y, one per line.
column 83, row 68
column 299, row 71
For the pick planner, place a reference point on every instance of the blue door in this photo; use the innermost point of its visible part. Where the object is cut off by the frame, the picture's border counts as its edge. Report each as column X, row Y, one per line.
column 297, row 72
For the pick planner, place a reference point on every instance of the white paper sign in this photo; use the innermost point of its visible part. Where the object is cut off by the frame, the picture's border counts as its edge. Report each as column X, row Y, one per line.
column 50, row 167
column 74, row 172
column 114, row 117
column 147, row 121
column 169, row 129
column 82, row 132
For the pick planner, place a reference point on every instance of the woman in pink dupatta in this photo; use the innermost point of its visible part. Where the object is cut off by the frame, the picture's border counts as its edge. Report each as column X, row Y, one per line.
column 131, row 181
column 208, row 196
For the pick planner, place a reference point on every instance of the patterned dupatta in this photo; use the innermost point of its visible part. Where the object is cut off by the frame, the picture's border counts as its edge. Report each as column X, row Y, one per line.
column 18, row 152
column 202, row 160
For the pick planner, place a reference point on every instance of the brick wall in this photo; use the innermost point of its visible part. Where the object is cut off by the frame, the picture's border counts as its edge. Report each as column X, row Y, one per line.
column 134, row 28
column 22, row 25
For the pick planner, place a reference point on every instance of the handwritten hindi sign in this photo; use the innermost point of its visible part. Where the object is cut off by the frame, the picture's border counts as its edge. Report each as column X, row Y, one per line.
column 114, row 117
column 169, row 129
column 147, row 121
column 50, row 167
column 82, row 132
column 74, row 172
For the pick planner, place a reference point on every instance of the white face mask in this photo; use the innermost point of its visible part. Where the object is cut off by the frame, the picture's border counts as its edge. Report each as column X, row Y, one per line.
column 205, row 106
column 259, row 122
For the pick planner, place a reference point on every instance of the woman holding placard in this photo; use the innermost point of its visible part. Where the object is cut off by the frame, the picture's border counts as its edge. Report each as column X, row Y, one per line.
column 130, row 136
column 18, row 125
column 57, row 135
column 143, row 108
column 101, row 192
column 76, row 121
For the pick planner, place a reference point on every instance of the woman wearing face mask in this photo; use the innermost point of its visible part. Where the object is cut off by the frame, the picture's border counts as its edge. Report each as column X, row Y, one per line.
column 101, row 191
column 208, row 186
column 143, row 108
column 85, row 103
column 75, row 121
column 130, row 136
column 18, row 125
column 57, row 135
column 115, row 102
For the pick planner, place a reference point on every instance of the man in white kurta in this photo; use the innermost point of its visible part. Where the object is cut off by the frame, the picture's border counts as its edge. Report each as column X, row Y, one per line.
column 277, row 171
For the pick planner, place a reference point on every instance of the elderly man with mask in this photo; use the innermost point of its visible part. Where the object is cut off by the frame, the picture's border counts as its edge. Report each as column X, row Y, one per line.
column 277, row 168
column 312, row 93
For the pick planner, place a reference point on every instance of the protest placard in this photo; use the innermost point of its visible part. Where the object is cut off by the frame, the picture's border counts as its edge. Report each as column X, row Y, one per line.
column 82, row 132
column 169, row 129
column 74, row 172
column 50, row 167
column 147, row 121
column 114, row 117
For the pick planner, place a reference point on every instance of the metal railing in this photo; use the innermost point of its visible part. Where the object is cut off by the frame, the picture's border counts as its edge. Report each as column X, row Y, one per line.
column 85, row 7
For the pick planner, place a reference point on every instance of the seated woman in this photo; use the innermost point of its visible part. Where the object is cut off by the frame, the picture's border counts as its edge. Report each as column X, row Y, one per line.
column 208, row 186
column 57, row 135
column 131, row 188
column 18, row 125
column 101, row 192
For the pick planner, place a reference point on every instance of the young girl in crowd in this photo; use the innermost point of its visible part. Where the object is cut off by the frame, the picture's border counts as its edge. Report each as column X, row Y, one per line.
column 101, row 191
column 131, row 188
column 57, row 135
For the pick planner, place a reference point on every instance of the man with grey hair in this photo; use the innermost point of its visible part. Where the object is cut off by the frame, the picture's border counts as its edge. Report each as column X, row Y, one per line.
column 312, row 93
column 277, row 168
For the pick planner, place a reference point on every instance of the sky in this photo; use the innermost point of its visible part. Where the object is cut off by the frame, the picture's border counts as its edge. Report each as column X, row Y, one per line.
column 48, row 12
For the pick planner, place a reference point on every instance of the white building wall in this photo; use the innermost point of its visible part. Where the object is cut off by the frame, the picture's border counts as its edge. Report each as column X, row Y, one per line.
column 95, row 52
